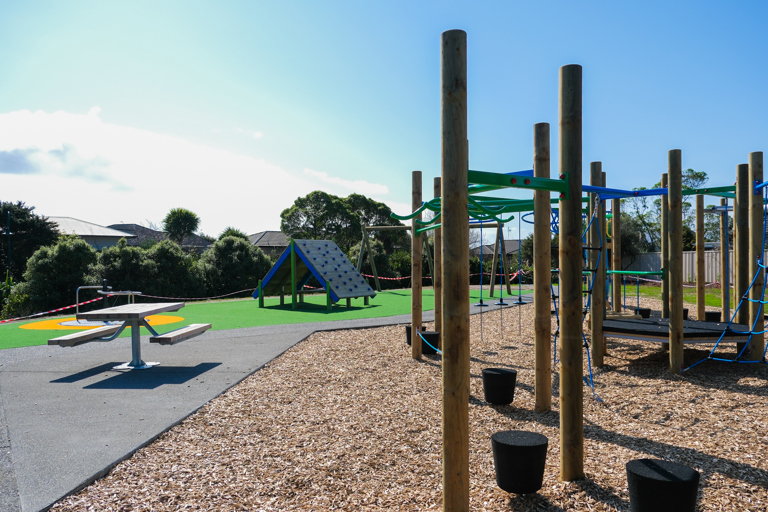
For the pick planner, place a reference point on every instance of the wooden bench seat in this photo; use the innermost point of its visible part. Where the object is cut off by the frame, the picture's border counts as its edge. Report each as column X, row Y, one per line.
column 80, row 337
column 178, row 335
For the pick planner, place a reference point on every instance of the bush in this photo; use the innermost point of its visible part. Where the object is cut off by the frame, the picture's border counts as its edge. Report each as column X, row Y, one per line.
column 17, row 302
column 175, row 273
column 55, row 272
column 125, row 267
column 233, row 264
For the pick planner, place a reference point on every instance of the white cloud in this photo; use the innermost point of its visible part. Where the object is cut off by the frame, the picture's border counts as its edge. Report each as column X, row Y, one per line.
column 76, row 165
column 257, row 135
column 359, row 186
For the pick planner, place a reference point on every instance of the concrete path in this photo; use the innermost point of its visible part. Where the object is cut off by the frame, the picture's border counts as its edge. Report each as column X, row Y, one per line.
column 67, row 418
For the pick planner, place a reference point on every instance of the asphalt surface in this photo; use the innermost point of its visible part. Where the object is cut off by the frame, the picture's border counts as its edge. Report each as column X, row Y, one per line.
column 67, row 418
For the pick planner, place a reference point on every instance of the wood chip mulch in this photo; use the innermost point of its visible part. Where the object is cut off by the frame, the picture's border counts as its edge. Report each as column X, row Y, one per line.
column 346, row 420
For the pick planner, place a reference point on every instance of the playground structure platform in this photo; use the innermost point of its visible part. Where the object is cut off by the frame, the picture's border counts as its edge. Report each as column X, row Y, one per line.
column 321, row 259
column 657, row 329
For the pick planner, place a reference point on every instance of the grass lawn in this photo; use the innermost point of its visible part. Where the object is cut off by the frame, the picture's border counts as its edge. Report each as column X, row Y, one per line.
column 711, row 295
column 237, row 313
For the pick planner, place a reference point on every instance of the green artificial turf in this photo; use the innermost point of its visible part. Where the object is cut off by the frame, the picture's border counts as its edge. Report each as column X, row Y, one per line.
column 237, row 313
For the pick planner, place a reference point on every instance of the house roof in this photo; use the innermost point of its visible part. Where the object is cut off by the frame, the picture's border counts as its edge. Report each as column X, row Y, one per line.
column 143, row 233
column 71, row 226
column 270, row 239
column 510, row 246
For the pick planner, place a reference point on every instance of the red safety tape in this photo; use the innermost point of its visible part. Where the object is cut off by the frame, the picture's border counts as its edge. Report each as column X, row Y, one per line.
column 51, row 311
column 198, row 298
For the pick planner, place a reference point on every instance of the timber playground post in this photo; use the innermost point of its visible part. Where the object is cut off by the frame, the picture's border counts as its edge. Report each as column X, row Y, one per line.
column 416, row 252
column 570, row 290
column 542, row 271
column 455, row 212
column 675, row 274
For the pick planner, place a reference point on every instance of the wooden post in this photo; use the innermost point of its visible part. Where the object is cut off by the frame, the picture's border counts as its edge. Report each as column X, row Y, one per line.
column 757, row 273
column 701, row 280
column 363, row 244
column 542, row 275
column 437, row 283
column 741, row 243
column 373, row 265
column 416, row 253
column 293, row 274
column 504, row 262
column 603, row 265
column 675, row 273
column 495, row 261
column 664, row 248
column 725, row 271
column 571, row 355
column 616, row 253
column 456, row 272
column 597, row 310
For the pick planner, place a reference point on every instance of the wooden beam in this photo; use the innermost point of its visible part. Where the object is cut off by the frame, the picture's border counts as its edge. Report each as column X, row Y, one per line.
column 495, row 261
column 542, row 275
column 437, row 283
column 725, row 271
column 604, row 265
column 597, row 310
column 416, row 253
column 701, row 297
column 756, row 272
column 741, row 242
column 456, row 272
column 664, row 248
column 616, row 253
column 571, row 264
column 675, row 274
column 504, row 262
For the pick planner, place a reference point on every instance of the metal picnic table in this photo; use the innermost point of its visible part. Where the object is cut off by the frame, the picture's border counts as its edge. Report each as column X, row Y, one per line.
column 133, row 316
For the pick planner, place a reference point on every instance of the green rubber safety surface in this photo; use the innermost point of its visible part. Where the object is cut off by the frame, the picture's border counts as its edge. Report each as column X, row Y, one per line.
column 238, row 313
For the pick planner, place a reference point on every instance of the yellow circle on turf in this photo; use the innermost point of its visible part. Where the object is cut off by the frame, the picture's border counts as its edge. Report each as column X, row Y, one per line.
column 55, row 324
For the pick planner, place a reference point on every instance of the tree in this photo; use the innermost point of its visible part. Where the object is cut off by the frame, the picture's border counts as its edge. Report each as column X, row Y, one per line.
column 180, row 223
column 54, row 272
column 233, row 264
column 176, row 274
column 322, row 216
column 125, row 267
column 29, row 232
column 230, row 231
column 374, row 213
column 646, row 213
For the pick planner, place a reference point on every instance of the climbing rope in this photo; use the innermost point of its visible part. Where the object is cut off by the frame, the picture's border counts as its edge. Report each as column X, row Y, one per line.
column 745, row 298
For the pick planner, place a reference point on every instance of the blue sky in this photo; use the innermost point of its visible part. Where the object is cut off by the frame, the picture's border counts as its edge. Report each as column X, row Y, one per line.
column 119, row 111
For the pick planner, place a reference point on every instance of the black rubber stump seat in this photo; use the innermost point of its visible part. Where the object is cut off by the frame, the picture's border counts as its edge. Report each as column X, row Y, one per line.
column 499, row 385
column 643, row 312
column 519, row 458
column 712, row 316
column 430, row 336
column 661, row 486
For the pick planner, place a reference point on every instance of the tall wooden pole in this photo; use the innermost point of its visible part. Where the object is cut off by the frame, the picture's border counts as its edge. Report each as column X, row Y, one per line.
column 604, row 263
column 438, row 278
column 675, row 274
column 597, row 311
column 416, row 253
column 756, row 230
column 741, row 242
column 571, row 356
column 664, row 248
column 455, row 272
column 700, row 267
column 542, row 272
column 495, row 261
column 616, row 253
column 725, row 271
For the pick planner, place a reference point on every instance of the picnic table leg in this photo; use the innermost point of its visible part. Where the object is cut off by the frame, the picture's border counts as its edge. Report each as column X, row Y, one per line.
column 136, row 362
